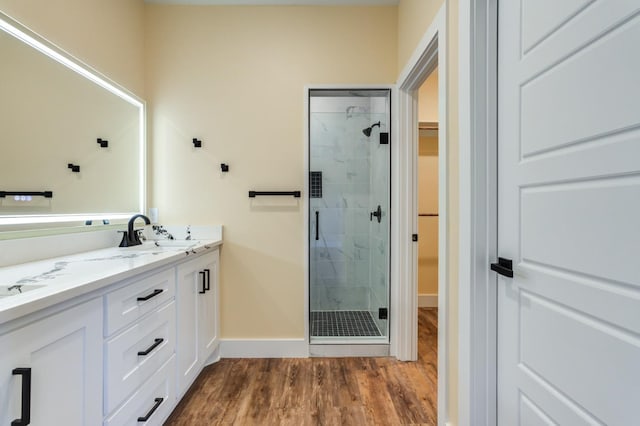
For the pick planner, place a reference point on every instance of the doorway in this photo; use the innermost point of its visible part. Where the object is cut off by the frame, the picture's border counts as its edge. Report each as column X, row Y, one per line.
column 430, row 54
column 428, row 192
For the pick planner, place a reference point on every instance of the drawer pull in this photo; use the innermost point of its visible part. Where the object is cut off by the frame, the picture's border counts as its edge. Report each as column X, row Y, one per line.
column 149, row 296
column 156, row 343
column 204, row 286
column 157, row 401
column 25, row 415
column 208, row 272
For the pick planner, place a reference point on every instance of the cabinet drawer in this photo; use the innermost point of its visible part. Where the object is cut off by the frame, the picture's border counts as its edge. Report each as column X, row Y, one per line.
column 129, row 303
column 143, row 401
column 135, row 354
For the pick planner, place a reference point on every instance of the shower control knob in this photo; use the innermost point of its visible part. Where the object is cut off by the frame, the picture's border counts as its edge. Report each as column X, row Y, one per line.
column 377, row 213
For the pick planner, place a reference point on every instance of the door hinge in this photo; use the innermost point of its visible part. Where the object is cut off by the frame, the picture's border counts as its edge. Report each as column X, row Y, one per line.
column 414, row 237
column 383, row 313
column 384, row 138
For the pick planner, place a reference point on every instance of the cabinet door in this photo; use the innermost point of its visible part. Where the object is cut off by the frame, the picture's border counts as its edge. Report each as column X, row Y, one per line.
column 64, row 355
column 190, row 285
column 197, row 325
column 208, row 309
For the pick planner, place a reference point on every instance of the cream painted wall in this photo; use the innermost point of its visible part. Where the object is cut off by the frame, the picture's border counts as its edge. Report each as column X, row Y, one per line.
column 414, row 18
column 105, row 34
column 428, row 225
column 428, row 189
column 234, row 77
column 428, row 99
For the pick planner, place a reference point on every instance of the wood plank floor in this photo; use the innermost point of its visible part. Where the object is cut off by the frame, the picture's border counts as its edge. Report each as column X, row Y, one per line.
column 318, row 391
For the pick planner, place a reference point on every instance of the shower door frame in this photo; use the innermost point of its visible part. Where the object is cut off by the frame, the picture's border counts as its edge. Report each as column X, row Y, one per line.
column 347, row 348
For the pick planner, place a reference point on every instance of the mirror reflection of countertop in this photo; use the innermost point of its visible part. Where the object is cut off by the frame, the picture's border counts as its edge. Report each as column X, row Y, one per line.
column 45, row 283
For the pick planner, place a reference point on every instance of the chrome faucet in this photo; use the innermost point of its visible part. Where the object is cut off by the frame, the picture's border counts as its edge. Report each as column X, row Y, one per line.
column 131, row 237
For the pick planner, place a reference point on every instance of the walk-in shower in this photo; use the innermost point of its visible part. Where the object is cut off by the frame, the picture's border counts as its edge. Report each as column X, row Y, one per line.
column 349, row 217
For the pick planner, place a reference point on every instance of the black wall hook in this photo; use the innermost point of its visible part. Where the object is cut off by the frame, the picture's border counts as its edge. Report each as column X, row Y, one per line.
column 224, row 167
column 73, row 168
column 103, row 143
column 197, row 143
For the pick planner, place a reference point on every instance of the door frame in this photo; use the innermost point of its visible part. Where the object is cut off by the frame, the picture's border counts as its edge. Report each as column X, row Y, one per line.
column 478, row 229
column 348, row 349
column 430, row 52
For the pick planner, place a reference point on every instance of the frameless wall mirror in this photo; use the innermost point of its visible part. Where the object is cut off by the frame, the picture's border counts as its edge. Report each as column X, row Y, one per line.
column 72, row 141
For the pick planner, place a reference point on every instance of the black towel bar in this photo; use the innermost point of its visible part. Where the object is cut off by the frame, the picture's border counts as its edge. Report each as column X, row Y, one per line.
column 253, row 194
column 45, row 194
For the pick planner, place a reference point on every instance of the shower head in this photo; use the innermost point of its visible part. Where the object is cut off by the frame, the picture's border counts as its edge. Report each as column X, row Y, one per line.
column 367, row 131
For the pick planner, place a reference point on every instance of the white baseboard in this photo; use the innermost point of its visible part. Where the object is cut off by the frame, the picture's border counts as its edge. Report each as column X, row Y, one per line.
column 427, row 300
column 264, row 348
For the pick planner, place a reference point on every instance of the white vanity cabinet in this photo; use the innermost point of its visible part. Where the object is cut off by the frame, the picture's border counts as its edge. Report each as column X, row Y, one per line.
column 121, row 350
column 197, row 297
column 63, row 355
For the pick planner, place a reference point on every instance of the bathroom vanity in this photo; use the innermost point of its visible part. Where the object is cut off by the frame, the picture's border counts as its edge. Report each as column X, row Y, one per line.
column 112, row 336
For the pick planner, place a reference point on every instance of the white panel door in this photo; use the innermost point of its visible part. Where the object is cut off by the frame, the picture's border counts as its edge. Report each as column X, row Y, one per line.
column 569, row 212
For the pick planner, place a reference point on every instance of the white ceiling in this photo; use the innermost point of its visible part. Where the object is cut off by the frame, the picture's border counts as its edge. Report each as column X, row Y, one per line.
column 277, row 2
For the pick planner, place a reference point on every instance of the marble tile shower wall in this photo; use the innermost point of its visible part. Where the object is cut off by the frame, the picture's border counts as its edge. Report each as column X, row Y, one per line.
column 339, row 264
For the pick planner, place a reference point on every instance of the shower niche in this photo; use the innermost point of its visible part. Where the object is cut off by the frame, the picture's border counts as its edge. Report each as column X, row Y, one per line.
column 349, row 217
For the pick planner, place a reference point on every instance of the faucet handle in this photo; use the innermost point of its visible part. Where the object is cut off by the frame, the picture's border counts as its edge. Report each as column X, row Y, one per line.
column 140, row 234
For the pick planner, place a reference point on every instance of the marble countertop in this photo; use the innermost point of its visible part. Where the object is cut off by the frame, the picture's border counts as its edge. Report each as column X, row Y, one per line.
column 45, row 283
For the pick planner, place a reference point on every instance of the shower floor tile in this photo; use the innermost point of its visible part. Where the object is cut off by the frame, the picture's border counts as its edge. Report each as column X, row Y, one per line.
column 343, row 324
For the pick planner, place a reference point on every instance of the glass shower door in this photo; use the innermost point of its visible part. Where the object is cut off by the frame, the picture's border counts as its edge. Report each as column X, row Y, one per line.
column 349, row 199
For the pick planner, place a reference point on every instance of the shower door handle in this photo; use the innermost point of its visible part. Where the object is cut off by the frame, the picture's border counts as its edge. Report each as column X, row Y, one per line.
column 317, row 225
column 377, row 213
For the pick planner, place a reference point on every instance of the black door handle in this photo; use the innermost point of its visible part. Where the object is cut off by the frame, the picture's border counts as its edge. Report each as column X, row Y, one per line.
column 377, row 213
column 25, row 415
column 204, row 286
column 156, row 343
column 317, row 225
column 156, row 404
column 208, row 273
column 149, row 296
column 503, row 267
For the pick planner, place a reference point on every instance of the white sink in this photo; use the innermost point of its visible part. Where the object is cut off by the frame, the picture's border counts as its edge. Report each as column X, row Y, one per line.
column 159, row 246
